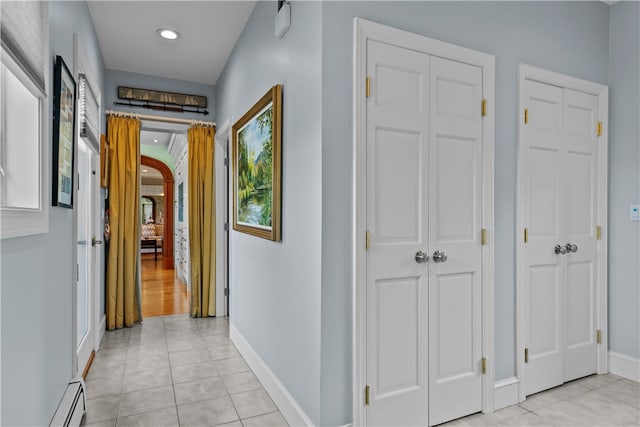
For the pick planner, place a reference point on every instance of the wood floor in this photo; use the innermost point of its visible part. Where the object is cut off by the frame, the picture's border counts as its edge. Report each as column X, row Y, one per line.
column 163, row 292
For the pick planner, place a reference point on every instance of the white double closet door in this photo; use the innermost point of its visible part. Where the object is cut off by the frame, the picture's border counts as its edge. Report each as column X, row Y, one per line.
column 558, row 201
column 424, row 194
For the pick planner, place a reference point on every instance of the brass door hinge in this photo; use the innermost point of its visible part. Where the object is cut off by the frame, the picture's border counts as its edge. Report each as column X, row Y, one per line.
column 366, row 395
column 483, row 236
column 367, row 240
column 484, row 107
column 599, row 129
column 598, row 336
column 526, row 235
column 526, row 355
column 526, row 116
column 368, row 87
column 598, row 233
column 484, row 365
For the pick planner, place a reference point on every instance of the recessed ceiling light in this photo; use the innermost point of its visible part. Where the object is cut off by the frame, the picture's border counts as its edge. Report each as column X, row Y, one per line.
column 155, row 140
column 145, row 170
column 168, row 34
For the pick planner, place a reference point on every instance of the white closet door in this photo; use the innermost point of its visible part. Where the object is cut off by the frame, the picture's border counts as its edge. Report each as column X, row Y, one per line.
column 560, row 207
column 455, row 197
column 397, row 132
column 543, row 206
column 581, row 142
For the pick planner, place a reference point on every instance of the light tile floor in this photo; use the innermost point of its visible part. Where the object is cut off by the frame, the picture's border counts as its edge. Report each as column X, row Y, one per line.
column 598, row 400
column 175, row 371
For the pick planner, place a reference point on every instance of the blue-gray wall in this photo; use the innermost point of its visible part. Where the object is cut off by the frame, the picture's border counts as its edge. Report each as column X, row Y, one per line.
column 115, row 78
column 36, row 273
column 624, row 178
column 275, row 286
column 292, row 300
column 568, row 37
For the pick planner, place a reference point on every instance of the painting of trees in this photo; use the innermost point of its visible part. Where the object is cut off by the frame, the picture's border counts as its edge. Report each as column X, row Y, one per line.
column 257, row 171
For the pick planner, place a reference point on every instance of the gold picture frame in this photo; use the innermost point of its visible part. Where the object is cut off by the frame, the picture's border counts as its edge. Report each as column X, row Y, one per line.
column 104, row 162
column 257, row 168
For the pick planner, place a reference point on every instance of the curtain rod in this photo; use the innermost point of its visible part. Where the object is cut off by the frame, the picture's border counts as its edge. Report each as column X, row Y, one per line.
column 191, row 122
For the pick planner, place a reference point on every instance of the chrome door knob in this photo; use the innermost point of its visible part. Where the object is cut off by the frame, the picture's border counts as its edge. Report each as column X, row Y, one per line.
column 570, row 247
column 439, row 256
column 421, row 257
column 560, row 250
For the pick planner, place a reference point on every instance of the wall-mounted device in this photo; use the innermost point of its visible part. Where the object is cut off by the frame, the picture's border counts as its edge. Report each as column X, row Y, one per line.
column 283, row 19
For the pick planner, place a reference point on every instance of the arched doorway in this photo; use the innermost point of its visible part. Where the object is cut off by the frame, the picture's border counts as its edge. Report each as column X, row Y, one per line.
column 167, row 231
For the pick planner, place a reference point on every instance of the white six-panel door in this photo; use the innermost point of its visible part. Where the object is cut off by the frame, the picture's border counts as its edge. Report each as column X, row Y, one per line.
column 455, row 206
column 581, row 144
column 542, row 175
column 558, row 205
column 424, row 194
column 397, row 206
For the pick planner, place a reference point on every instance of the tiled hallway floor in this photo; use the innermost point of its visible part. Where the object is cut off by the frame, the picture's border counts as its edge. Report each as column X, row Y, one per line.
column 598, row 400
column 175, row 371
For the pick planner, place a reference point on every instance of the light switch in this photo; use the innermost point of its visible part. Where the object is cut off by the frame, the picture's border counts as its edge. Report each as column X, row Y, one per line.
column 634, row 212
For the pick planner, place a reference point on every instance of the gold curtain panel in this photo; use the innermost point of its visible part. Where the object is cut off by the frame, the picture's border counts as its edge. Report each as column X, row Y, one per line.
column 123, row 308
column 202, row 221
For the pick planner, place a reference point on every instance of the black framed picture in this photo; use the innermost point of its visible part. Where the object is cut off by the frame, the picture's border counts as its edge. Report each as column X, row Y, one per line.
column 64, row 124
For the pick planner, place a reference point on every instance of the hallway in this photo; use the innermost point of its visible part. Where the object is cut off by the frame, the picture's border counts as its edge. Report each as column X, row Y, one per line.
column 174, row 370
column 163, row 293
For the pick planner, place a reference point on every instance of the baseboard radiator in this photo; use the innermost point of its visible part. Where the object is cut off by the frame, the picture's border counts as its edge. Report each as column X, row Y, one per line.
column 72, row 407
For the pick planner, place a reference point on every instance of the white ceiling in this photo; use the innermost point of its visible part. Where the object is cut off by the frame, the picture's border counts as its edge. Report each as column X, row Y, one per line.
column 150, row 177
column 150, row 172
column 209, row 29
column 150, row 138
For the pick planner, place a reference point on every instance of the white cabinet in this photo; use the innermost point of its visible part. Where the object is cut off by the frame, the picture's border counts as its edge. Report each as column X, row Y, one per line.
column 178, row 149
column 182, row 255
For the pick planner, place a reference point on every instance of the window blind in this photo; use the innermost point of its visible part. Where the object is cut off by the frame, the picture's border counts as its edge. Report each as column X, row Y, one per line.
column 88, row 111
column 24, row 31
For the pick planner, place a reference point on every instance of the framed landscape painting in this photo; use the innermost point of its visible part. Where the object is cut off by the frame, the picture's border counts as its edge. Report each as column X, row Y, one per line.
column 257, row 170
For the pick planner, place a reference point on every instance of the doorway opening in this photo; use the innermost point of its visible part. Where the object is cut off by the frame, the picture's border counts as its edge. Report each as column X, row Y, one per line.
column 164, row 255
column 157, row 186
column 165, row 262
column 162, row 291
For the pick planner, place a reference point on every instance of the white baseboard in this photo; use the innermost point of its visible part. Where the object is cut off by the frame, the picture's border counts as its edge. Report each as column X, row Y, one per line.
column 624, row 366
column 505, row 393
column 289, row 408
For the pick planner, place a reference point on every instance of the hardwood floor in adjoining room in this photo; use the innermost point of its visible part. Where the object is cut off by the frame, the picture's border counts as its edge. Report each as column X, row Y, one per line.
column 163, row 293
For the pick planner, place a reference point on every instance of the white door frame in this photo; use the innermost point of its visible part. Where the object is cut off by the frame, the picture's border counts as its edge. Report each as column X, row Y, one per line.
column 99, row 316
column 528, row 72
column 96, row 319
column 93, row 252
column 222, row 136
column 364, row 31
